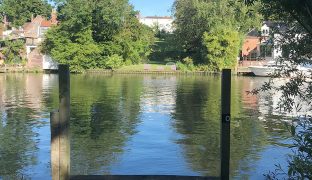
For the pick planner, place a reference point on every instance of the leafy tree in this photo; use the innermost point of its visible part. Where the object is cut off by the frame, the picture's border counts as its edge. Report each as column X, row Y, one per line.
column 222, row 48
column 13, row 51
column 20, row 11
column 195, row 17
column 295, row 10
column 91, row 32
column 296, row 44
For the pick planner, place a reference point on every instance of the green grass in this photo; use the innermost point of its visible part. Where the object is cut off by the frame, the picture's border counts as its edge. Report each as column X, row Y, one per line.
column 154, row 66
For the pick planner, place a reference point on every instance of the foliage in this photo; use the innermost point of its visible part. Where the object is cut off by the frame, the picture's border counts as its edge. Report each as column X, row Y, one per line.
column 185, row 65
column 92, row 31
column 294, row 10
column 195, row 17
column 166, row 48
column 113, row 62
column 300, row 162
column 296, row 44
column 188, row 61
column 13, row 51
column 20, row 11
column 222, row 48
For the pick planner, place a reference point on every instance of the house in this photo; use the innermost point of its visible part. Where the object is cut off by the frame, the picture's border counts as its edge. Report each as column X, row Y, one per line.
column 34, row 34
column 262, row 45
column 163, row 23
column 8, row 32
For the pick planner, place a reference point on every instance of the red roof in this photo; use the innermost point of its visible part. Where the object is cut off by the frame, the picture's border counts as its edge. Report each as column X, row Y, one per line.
column 46, row 23
column 249, row 45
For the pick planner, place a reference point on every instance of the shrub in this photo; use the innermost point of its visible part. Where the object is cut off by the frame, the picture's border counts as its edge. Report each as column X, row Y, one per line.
column 188, row 61
column 113, row 62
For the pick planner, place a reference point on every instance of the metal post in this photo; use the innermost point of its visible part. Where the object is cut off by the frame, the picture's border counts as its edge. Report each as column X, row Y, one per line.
column 225, row 123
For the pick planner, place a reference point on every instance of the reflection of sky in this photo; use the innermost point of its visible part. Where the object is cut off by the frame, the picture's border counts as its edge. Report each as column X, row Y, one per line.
column 153, row 149
column 159, row 95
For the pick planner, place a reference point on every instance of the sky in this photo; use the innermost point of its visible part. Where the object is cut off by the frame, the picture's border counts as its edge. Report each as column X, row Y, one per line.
column 153, row 7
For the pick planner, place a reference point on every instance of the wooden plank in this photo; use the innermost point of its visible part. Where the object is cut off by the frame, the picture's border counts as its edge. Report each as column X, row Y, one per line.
column 225, row 123
column 139, row 177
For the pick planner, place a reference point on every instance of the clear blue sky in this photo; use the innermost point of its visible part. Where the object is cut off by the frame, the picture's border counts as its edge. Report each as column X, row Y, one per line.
column 153, row 7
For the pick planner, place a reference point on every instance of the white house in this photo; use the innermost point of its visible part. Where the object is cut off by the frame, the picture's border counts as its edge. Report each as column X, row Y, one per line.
column 270, row 37
column 161, row 22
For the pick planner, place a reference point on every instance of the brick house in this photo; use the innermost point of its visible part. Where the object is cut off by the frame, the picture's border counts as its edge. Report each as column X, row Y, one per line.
column 34, row 35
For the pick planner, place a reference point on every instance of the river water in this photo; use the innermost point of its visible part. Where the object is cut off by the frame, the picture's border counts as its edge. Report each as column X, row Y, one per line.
column 139, row 125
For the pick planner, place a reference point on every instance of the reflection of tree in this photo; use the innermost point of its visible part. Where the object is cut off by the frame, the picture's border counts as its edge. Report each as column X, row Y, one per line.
column 17, row 143
column 104, row 114
column 197, row 117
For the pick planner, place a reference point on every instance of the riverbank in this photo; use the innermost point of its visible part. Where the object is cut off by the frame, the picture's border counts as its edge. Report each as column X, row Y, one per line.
column 20, row 69
column 133, row 69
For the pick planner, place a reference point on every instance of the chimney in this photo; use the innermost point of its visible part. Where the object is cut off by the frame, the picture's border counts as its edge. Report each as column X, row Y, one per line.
column 54, row 17
column 32, row 17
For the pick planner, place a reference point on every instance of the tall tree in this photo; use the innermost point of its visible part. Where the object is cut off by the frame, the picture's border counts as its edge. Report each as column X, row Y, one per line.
column 97, row 34
column 296, row 43
column 294, row 10
column 20, row 11
column 195, row 17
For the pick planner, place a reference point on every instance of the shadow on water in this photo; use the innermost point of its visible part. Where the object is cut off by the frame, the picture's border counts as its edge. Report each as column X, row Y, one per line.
column 197, row 117
column 102, row 121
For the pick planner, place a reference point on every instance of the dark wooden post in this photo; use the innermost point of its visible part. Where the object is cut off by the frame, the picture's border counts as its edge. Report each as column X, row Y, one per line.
column 60, row 143
column 225, row 123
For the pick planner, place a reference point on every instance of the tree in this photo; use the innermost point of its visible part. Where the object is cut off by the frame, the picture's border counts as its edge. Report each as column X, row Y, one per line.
column 195, row 17
column 296, row 44
column 13, row 51
column 20, row 11
column 92, row 32
column 222, row 48
column 295, row 10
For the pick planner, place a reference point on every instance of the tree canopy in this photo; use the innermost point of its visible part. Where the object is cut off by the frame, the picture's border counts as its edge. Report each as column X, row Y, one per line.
column 296, row 93
column 298, row 10
column 194, row 18
column 93, row 34
column 20, row 11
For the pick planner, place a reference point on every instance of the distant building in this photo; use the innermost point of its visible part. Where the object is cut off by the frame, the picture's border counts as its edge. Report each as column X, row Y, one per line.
column 34, row 34
column 163, row 23
column 262, row 45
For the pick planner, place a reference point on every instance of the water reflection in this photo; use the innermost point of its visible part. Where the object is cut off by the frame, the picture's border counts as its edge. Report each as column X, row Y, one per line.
column 20, row 105
column 133, row 124
column 102, row 121
column 197, row 117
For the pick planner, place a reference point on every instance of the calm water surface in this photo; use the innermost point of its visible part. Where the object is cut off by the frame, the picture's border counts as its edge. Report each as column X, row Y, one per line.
column 136, row 124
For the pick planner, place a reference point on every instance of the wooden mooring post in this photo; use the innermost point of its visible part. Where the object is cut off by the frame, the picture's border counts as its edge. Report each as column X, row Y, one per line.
column 60, row 143
column 225, row 123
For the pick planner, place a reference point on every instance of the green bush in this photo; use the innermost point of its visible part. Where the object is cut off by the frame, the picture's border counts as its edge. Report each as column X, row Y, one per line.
column 184, row 67
column 222, row 48
column 188, row 61
column 202, row 67
column 113, row 62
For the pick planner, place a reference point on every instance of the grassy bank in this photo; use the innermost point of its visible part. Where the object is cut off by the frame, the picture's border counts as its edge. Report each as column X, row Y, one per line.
column 18, row 69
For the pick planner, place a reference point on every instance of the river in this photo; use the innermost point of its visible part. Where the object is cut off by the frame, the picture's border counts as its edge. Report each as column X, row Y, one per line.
column 140, row 125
